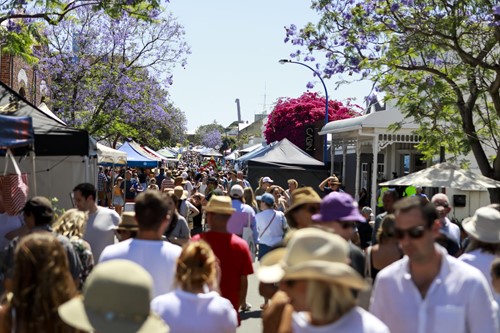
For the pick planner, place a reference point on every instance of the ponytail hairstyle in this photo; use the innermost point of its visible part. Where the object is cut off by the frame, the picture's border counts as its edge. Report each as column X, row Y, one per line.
column 196, row 266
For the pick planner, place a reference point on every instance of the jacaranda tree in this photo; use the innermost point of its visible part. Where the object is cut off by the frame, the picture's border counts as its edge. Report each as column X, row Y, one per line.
column 110, row 77
column 22, row 21
column 438, row 59
column 290, row 116
column 212, row 139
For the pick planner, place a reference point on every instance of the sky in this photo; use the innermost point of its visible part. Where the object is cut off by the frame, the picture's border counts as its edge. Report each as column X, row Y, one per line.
column 235, row 48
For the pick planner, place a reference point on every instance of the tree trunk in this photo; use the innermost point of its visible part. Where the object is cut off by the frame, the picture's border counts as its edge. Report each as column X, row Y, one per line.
column 494, row 195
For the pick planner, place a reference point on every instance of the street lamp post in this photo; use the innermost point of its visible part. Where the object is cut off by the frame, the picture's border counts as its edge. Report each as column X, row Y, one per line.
column 284, row 61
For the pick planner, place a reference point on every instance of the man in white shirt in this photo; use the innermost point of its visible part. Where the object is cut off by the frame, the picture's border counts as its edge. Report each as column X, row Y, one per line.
column 148, row 249
column 428, row 290
column 102, row 221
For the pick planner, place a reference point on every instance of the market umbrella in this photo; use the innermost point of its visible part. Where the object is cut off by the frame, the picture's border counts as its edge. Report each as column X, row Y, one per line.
column 445, row 175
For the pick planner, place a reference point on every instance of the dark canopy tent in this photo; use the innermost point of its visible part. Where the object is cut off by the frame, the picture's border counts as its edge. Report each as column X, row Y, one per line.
column 284, row 161
column 52, row 137
column 62, row 153
column 135, row 159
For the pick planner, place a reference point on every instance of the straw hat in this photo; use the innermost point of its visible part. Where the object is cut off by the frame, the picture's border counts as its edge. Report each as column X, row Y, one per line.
column 116, row 298
column 128, row 222
column 302, row 196
column 484, row 225
column 220, row 205
column 313, row 254
column 180, row 193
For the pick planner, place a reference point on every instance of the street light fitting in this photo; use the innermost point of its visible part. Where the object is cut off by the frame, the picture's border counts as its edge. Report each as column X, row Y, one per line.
column 318, row 74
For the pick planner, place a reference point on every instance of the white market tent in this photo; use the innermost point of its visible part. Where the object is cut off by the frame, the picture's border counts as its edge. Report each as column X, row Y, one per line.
column 110, row 156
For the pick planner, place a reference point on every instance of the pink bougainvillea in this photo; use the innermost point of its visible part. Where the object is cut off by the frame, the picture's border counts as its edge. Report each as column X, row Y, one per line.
column 290, row 115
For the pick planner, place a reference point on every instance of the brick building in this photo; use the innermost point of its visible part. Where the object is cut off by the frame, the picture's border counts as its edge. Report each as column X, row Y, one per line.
column 22, row 78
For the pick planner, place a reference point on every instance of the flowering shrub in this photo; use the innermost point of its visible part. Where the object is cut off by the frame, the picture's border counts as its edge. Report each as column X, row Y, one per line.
column 291, row 115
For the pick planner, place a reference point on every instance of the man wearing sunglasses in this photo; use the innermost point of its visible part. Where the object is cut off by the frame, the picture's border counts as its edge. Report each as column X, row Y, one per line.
column 429, row 290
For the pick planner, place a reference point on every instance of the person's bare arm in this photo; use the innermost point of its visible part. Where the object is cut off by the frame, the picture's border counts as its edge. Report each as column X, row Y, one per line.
column 323, row 183
column 243, row 290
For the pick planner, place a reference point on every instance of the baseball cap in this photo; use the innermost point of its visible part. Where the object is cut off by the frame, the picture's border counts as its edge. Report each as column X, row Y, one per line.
column 267, row 198
column 338, row 206
column 267, row 180
column 236, row 191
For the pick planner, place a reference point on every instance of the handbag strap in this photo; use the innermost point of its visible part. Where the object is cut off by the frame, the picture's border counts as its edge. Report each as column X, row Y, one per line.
column 9, row 155
column 262, row 233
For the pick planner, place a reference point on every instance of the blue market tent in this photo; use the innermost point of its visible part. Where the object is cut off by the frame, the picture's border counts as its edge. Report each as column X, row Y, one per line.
column 136, row 159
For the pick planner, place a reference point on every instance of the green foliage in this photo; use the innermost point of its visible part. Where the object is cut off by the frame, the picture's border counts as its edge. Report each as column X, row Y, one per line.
column 440, row 60
column 23, row 21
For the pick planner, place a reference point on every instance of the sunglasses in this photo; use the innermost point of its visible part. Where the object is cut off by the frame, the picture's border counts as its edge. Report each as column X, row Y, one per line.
column 414, row 233
column 311, row 209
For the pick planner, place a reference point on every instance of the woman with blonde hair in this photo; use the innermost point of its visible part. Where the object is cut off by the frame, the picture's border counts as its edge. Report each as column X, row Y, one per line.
column 193, row 307
column 249, row 199
column 313, row 271
column 118, row 199
column 41, row 283
column 72, row 225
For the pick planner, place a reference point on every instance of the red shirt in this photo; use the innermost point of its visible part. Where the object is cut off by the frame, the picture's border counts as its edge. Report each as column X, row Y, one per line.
column 235, row 262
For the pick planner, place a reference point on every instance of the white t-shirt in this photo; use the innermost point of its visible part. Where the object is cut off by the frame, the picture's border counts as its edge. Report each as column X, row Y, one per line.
column 8, row 223
column 186, row 312
column 482, row 261
column 274, row 234
column 99, row 231
column 159, row 258
column 357, row 320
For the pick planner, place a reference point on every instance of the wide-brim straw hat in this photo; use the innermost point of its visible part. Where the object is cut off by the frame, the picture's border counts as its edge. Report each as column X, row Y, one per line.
column 220, row 205
column 484, row 225
column 127, row 222
column 116, row 298
column 312, row 254
column 302, row 196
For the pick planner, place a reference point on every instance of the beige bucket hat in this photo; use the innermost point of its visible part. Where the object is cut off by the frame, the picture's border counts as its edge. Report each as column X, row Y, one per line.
column 484, row 225
column 116, row 298
column 312, row 254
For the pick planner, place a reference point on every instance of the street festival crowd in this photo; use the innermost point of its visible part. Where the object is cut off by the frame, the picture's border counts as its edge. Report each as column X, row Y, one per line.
column 171, row 249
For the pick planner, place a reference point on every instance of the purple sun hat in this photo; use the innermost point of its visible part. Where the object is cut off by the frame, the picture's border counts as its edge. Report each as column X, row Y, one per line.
column 338, row 206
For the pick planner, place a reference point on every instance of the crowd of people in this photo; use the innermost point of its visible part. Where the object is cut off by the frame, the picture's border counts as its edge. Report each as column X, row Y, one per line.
column 171, row 249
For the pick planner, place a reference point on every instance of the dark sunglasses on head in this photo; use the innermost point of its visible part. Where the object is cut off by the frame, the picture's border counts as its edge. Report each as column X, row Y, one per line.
column 414, row 233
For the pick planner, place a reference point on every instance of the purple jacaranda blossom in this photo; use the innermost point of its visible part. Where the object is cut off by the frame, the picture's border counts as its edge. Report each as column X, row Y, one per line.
column 117, row 72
